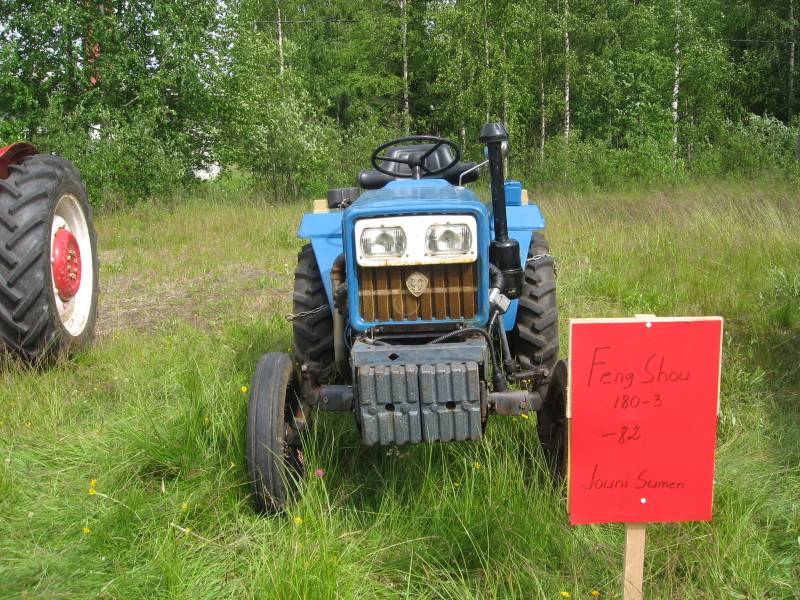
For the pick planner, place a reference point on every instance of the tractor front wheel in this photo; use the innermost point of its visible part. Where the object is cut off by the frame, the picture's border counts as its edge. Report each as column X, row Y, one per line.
column 274, row 455
column 48, row 259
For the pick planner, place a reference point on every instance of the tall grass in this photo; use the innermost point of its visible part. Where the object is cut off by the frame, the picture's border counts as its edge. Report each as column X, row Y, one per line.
column 155, row 414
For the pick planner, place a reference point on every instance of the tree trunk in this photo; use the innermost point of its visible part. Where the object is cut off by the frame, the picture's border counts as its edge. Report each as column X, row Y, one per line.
column 566, row 70
column 676, row 85
column 486, row 54
column 793, row 28
column 542, row 122
column 280, row 43
column 404, row 30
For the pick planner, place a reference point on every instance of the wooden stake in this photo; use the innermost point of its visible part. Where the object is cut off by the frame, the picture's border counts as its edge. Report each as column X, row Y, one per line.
column 634, row 561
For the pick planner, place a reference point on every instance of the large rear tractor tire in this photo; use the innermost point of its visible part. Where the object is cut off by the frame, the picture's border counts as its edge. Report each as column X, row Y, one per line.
column 274, row 455
column 534, row 341
column 535, row 336
column 313, row 331
column 49, row 268
column 551, row 423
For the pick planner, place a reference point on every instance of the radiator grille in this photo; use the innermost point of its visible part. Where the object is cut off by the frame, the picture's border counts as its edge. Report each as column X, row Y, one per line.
column 451, row 293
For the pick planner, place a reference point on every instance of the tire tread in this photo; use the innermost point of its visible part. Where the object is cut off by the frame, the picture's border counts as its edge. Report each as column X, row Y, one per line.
column 27, row 196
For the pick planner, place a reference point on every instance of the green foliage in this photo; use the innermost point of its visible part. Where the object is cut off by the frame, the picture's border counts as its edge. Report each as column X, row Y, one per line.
column 756, row 146
column 270, row 126
column 142, row 94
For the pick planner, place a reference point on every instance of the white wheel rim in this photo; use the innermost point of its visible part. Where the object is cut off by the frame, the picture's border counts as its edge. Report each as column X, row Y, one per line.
column 74, row 313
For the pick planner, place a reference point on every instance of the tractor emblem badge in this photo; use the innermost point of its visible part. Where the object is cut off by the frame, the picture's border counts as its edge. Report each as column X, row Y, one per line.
column 417, row 283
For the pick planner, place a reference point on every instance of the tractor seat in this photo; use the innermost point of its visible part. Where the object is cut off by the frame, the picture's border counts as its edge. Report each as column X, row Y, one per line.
column 372, row 179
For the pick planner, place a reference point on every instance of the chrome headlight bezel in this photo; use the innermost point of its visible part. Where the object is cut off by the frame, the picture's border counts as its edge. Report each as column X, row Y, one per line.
column 416, row 229
column 393, row 238
column 461, row 238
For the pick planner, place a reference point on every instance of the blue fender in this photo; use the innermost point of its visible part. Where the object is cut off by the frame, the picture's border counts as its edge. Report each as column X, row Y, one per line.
column 522, row 222
column 325, row 232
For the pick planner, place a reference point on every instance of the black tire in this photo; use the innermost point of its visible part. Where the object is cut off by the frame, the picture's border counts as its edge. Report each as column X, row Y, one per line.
column 313, row 334
column 551, row 422
column 274, row 456
column 30, row 324
column 534, row 339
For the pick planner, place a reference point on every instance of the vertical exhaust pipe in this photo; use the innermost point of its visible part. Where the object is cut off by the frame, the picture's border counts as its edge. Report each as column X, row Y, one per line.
column 503, row 252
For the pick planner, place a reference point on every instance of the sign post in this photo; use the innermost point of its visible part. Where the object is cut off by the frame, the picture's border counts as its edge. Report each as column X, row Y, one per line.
column 643, row 403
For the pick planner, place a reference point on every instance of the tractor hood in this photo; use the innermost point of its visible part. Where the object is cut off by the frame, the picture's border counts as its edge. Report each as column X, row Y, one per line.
column 410, row 195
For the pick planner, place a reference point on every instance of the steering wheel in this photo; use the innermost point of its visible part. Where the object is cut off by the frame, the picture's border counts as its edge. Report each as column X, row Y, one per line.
column 415, row 163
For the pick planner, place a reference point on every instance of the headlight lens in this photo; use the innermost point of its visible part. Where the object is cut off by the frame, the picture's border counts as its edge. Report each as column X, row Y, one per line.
column 378, row 242
column 449, row 239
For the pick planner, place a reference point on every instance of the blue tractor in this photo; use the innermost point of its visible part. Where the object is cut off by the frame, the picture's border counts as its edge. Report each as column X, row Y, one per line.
column 419, row 309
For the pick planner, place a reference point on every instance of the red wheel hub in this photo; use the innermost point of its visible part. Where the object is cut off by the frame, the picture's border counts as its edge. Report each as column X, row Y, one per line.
column 66, row 264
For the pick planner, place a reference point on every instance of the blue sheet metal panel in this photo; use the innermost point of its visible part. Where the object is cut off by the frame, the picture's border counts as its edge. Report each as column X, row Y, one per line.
column 325, row 232
column 324, row 224
column 416, row 197
column 326, row 249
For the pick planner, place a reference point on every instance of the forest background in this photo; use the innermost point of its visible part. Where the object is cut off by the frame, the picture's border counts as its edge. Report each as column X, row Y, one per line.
column 293, row 95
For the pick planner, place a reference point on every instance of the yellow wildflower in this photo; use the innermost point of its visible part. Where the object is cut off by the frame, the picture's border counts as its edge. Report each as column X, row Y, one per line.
column 92, row 491
column 476, row 465
column 184, row 506
column 595, row 594
column 524, row 416
column 298, row 520
column 244, row 389
column 28, row 423
column 93, row 483
column 86, row 531
column 565, row 594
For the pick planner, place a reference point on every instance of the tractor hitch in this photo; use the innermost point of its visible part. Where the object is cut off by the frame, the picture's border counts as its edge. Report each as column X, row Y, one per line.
column 334, row 398
column 513, row 403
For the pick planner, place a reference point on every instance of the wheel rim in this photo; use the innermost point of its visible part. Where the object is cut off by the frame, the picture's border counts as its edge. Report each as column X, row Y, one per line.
column 72, row 266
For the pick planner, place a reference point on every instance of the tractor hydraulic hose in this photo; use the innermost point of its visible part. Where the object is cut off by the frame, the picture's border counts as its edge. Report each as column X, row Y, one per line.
column 496, row 278
column 499, row 379
column 508, row 360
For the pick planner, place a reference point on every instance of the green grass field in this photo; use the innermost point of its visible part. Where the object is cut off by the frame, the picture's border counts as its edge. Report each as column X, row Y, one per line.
column 193, row 293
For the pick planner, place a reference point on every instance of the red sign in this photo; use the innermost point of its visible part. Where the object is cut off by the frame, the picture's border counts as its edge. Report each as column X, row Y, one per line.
column 644, row 396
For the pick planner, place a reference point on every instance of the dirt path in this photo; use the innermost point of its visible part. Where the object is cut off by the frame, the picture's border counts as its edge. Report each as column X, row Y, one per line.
column 143, row 302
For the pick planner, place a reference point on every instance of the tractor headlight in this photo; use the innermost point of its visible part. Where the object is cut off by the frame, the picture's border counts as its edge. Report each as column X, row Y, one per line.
column 448, row 239
column 402, row 240
column 380, row 242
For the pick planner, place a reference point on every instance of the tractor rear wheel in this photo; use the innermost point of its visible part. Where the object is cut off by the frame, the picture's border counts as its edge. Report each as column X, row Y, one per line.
column 49, row 266
column 534, row 339
column 274, row 455
column 551, row 422
column 313, row 331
